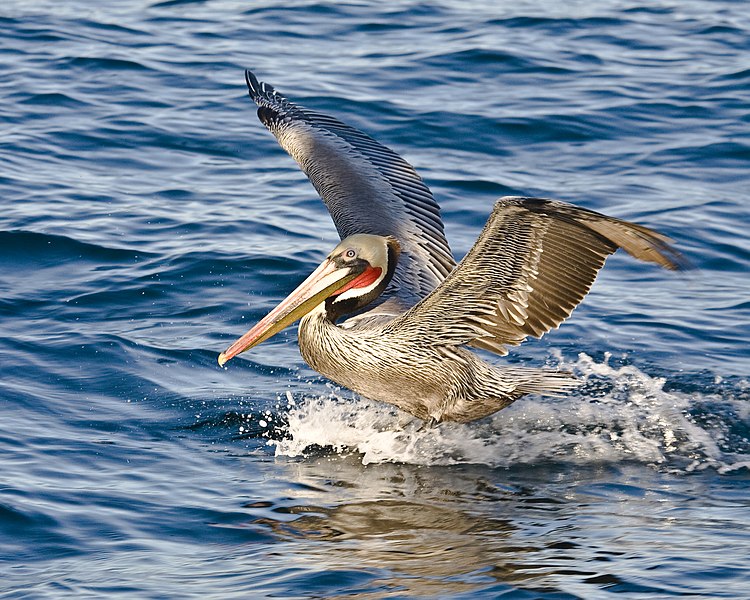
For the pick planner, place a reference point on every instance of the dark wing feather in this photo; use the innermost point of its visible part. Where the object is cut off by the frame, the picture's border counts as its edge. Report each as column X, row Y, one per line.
column 367, row 188
column 532, row 265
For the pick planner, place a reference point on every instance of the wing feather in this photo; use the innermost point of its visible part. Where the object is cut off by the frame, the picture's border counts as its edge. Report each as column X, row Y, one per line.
column 531, row 266
column 367, row 188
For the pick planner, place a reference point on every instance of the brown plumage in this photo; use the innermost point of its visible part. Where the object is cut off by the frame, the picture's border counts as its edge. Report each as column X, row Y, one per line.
column 412, row 315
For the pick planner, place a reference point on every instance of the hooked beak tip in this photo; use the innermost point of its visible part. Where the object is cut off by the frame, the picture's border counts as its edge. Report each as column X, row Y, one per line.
column 322, row 283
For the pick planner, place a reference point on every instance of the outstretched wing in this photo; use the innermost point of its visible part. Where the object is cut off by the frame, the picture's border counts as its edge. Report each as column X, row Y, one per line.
column 532, row 265
column 367, row 188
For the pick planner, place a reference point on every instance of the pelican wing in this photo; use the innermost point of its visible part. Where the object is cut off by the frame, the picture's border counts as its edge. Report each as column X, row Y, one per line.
column 367, row 188
column 532, row 265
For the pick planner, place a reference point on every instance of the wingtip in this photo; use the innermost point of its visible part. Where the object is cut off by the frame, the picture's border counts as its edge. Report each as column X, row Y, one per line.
column 680, row 262
column 651, row 246
column 658, row 248
column 259, row 90
column 637, row 240
column 253, row 85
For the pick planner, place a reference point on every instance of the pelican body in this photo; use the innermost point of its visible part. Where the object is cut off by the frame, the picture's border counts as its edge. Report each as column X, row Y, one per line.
column 390, row 315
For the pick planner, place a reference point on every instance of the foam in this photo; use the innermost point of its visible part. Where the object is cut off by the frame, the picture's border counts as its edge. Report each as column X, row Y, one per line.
column 619, row 413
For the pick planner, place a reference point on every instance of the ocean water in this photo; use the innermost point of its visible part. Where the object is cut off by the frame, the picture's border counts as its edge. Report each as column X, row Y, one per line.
column 148, row 219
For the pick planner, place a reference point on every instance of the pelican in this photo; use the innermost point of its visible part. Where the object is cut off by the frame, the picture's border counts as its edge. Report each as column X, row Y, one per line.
column 391, row 316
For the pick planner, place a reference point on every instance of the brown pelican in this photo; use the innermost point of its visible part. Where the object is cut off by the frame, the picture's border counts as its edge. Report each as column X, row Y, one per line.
column 412, row 312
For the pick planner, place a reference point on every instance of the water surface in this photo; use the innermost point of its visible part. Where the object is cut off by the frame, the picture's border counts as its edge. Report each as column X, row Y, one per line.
column 149, row 218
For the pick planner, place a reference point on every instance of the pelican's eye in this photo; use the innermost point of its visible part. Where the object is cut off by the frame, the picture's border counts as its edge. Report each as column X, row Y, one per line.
column 350, row 253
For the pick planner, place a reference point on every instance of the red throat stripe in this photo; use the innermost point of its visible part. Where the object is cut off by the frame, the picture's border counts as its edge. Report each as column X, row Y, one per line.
column 369, row 276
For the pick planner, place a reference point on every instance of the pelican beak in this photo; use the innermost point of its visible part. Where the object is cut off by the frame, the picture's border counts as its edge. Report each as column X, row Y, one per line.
column 326, row 280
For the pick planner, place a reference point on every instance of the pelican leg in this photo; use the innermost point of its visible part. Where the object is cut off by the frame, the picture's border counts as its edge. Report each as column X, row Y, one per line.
column 430, row 423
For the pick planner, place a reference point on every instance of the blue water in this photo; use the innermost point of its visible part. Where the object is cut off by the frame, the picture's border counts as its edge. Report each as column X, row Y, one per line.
column 148, row 219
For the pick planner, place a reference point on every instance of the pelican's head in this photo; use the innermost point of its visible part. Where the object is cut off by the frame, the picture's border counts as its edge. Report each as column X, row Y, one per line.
column 352, row 276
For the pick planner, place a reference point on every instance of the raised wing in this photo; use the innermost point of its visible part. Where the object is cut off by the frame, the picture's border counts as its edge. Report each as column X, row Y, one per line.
column 367, row 188
column 532, row 265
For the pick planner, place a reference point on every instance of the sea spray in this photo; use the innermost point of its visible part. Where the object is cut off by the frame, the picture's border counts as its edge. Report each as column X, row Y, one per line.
column 620, row 413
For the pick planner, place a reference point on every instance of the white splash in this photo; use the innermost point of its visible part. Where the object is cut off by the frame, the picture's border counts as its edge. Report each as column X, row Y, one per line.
column 619, row 413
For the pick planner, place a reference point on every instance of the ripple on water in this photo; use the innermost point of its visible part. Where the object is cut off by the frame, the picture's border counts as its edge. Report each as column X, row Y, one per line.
column 148, row 218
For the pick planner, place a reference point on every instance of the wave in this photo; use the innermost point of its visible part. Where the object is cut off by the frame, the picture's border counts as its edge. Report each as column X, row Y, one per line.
column 21, row 247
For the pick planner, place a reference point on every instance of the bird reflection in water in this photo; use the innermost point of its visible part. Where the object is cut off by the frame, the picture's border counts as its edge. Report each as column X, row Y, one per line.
column 422, row 531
